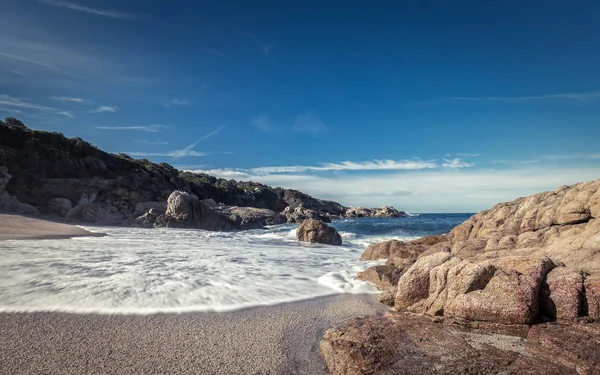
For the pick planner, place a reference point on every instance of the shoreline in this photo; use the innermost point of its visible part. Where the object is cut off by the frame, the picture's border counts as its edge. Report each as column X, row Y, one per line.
column 274, row 339
column 18, row 227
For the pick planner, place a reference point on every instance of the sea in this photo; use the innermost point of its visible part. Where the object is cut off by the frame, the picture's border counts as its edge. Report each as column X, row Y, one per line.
column 146, row 271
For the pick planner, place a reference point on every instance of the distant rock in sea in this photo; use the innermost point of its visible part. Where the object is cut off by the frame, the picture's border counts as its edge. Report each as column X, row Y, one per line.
column 316, row 231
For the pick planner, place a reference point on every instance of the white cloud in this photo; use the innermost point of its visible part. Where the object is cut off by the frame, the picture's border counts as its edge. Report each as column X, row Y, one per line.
column 81, row 8
column 147, row 128
column 12, row 102
column 456, row 163
column 439, row 190
column 174, row 154
column 309, row 123
column 177, row 101
column 29, row 60
column 263, row 124
column 184, row 152
column 10, row 110
column 68, row 99
column 373, row 165
column 105, row 108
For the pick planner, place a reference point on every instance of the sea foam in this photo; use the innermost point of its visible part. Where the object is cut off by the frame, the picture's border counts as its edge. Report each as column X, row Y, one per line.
column 144, row 271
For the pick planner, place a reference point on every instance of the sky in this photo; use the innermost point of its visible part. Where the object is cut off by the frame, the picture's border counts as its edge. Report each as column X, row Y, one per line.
column 426, row 105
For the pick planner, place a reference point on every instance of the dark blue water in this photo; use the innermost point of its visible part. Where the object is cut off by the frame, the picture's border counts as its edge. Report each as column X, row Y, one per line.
column 401, row 228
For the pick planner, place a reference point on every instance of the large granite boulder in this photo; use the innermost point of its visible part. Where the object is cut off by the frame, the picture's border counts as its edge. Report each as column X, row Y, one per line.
column 185, row 210
column 316, row 231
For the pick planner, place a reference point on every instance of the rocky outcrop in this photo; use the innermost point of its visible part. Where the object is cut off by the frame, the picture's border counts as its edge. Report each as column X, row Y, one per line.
column 299, row 214
column 405, row 344
column 9, row 203
column 185, row 210
column 513, row 264
column 46, row 166
column 383, row 211
column 250, row 217
column 521, row 263
column 316, row 231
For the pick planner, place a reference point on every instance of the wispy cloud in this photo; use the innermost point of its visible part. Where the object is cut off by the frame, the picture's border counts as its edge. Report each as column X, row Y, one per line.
column 85, row 9
column 17, row 73
column 309, row 123
column 184, row 152
column 456, row 163
column 10, row 110
column 263, row 124
column 68, row 99
column 12, row 102
column 147, row 128
column 264, row 47
column 105, row 108
column 571, row 96
column 177, row 102
column 28, row 60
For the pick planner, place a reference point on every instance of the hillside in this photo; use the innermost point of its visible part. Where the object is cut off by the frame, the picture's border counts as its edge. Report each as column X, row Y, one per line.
column 47, row 169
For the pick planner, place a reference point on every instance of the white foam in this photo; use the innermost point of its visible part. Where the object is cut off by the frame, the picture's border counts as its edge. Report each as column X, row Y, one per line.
column 143, row 271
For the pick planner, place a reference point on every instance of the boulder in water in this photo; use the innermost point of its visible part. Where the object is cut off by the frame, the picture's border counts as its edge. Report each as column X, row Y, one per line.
column 316, row 231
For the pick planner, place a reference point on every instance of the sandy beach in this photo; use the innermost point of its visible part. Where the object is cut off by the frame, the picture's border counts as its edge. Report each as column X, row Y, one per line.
column 280, row 339
column 16, row 227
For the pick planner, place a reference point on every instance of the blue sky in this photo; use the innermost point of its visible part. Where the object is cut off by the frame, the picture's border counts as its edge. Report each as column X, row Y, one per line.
column 430, row 106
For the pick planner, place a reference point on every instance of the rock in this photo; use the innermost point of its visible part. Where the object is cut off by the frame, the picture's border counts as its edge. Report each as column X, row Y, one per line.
column 143, row 207
column 299, row 214
column 393, row 249
column 148, row 219
column 410, row 344
column 413, row 285
column 251, row 218
column 383, row 276
column 562, row 294
column 384, row 211
column 60, row 206
column 316, row 231
column 185, row 210
column 573, row 346
column 9, row 203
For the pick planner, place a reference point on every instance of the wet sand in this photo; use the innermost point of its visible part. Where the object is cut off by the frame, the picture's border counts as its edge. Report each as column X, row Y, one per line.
column 280, row 339
column 16, row 227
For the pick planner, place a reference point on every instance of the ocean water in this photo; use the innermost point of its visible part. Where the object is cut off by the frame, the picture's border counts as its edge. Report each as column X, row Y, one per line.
column 144, row 271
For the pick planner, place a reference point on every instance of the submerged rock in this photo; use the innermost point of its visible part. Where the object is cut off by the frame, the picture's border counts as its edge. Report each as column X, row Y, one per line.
column 316, row 231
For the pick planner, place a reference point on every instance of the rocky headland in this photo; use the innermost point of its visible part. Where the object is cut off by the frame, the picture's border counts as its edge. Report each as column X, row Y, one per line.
column 512, row 290
column 46, row 174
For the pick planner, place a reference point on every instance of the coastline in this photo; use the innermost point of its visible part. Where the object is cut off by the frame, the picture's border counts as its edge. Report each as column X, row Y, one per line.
column 18, row 227
column 276, row 339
